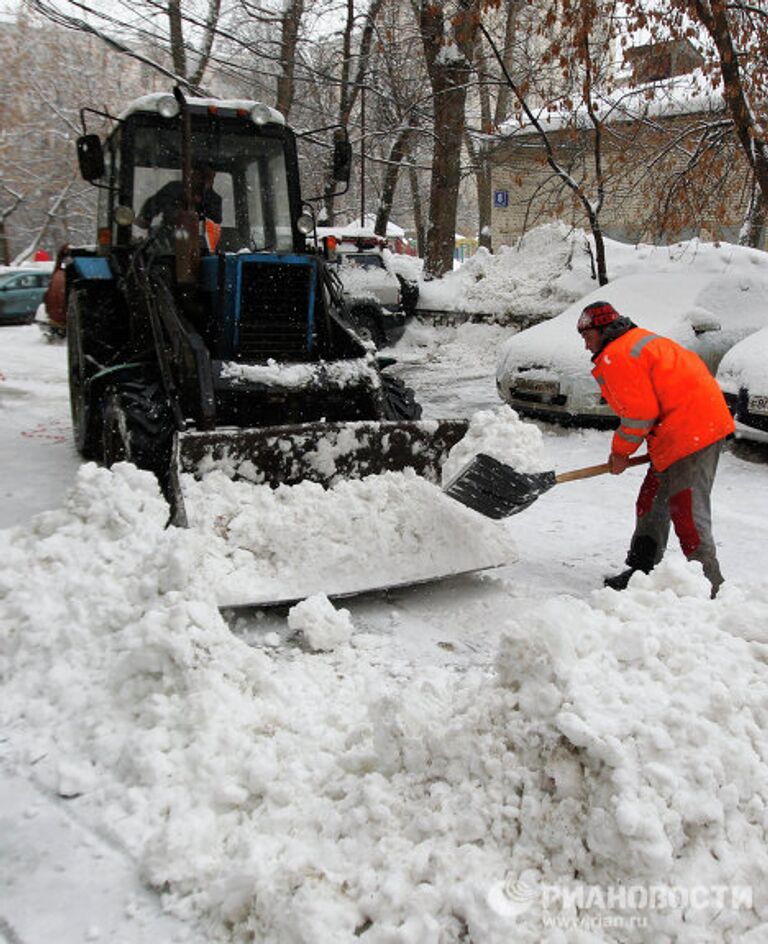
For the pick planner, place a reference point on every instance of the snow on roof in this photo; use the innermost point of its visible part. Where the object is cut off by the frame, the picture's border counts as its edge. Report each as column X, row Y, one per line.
column 357, row 230
column 151, row 102
column 682, row 95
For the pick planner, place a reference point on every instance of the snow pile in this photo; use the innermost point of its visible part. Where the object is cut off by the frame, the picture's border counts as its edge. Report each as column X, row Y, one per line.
column 499, row 433
column 641, row 715
column 469, row 350
column 289, row 796
column 551, row 268
column 323, row 626
column 265, row 544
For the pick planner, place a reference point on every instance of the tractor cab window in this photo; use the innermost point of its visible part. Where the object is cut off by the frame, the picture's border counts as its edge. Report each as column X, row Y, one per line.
column 245, row 190
column 111, row 172
column 268, row 202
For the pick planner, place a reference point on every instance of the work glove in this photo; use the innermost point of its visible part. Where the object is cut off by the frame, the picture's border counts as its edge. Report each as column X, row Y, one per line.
column 617, row 463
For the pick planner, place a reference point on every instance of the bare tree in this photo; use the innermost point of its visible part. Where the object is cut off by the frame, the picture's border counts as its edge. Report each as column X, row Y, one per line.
column 738, row 60
column 48, row 220
column 289, row 38
column 179, row 47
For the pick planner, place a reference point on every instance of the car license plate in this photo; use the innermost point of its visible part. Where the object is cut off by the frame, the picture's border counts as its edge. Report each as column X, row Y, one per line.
column 549, row 388
column 758, row 404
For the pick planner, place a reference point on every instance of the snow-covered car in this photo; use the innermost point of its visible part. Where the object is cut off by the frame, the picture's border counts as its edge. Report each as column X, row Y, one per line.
column 379, row 299
column 544, row 371
column 21, row 291
column 743, row 378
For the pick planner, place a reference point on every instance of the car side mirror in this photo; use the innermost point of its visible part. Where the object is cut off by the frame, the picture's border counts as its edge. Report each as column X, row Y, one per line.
column 342, row 160
column 90, row 157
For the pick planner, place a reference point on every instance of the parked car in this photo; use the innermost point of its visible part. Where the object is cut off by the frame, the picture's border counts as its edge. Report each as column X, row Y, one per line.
column 544, row 372
column 379, row 299
column 743, row 378
column 21, row 291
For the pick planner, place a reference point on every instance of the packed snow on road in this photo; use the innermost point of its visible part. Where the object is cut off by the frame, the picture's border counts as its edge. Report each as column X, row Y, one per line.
column 517, row 755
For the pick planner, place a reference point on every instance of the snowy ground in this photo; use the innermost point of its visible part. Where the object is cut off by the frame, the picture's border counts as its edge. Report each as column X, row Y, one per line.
column 459, row 761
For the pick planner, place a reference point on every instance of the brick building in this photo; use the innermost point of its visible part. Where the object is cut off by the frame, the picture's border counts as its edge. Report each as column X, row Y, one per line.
column 652, row 194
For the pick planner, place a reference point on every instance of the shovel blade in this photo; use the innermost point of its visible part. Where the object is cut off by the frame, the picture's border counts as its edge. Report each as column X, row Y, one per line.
column 496, row 490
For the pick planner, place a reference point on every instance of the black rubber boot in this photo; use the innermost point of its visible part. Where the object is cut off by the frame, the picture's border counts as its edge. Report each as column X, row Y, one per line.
column 641, row 556
column 620, row 581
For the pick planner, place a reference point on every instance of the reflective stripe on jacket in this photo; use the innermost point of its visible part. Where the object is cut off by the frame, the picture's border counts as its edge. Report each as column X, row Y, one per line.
column 662, row 393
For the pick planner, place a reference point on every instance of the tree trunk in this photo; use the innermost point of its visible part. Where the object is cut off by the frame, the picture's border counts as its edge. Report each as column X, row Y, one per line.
column 5, row 249
column 289, row 26
column 448, row 63
column 754, row 223
column 211, row 23
column 396, row 155
column 482, row 168
column 418, row 213
column 176, row 33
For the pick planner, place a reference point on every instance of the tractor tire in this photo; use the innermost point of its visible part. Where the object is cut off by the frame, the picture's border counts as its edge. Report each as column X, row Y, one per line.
column 85, row 411
column 136, row 427
column 366, row 320
column 399, row 400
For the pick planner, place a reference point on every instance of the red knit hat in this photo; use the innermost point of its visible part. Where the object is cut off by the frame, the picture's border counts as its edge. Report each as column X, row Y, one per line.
column 596, row 315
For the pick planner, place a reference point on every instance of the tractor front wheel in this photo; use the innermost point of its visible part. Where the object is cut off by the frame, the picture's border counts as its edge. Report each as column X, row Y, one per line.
column 136, row 427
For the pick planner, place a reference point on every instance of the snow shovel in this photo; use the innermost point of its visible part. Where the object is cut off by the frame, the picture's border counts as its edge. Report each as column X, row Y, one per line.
column 496, row 490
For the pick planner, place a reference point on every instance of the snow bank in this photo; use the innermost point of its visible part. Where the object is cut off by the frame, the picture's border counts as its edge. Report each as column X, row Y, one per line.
column 551, row 268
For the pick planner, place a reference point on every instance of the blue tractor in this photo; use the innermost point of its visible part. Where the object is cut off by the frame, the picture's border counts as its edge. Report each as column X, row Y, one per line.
column 205, row 328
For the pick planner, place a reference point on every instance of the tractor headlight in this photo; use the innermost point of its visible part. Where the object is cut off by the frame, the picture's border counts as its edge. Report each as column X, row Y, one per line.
column 167, row 106
column 261, row 113
column 124, row 215
column 305, row 224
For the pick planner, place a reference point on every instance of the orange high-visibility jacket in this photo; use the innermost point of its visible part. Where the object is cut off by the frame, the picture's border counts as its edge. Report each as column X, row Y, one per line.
column 662, row 393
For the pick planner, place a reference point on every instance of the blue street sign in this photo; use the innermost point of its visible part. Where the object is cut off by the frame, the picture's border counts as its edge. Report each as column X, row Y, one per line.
column 501, row 198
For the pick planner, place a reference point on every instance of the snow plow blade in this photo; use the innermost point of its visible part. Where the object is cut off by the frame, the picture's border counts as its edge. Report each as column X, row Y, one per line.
column 347, row 526
column 316, row 452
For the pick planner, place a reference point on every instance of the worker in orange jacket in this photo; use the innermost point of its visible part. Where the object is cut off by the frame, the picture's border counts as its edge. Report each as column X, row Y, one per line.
column 666, row 397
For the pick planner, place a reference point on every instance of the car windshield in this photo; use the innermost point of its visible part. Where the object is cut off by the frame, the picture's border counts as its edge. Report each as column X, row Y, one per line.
column 249, row 181
column 18, row 279
column 363, row 260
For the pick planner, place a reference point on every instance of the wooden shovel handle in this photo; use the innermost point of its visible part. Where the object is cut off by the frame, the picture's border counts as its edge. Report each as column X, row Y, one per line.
column 592, row 470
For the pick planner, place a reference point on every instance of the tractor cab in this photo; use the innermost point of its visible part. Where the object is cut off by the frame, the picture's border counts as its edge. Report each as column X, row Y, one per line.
column 243, row 176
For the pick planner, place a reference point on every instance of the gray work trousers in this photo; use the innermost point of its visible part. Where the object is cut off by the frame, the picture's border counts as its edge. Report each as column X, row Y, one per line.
column 680, row 495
